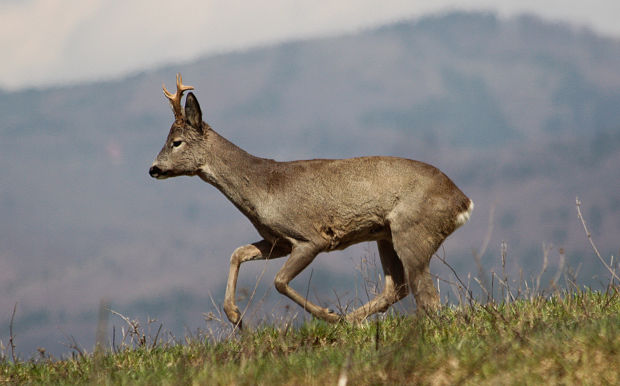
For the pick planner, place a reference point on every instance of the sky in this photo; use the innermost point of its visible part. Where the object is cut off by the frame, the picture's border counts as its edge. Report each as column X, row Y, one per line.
column 50, row 42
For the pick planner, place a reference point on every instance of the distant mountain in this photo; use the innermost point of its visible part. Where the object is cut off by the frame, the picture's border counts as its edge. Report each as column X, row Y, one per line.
column 523, row 114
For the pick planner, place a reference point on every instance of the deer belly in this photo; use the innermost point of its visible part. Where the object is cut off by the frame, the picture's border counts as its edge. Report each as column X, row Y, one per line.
column 339, row 238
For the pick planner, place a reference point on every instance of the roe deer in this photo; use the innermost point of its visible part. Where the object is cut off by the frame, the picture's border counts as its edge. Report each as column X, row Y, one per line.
column 302, row 208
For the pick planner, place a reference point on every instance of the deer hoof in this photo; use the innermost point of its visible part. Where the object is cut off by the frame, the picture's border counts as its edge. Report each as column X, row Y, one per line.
column 233, row 313
column 332, row 317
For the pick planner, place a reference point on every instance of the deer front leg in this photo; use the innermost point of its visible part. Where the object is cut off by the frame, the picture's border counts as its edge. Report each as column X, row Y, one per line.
column 256, row 251
column 301, row 256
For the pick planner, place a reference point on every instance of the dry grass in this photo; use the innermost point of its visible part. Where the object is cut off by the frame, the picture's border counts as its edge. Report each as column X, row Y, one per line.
column 511, row 336
column 567, row 338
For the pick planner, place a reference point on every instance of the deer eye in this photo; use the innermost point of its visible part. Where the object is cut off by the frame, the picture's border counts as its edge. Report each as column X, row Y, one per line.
column 176, row 143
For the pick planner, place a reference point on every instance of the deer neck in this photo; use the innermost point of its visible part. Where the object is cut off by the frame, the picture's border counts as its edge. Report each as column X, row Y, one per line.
column 234, row 172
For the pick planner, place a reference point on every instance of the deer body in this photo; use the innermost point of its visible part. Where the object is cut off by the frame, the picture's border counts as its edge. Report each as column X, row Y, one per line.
column 302, row 208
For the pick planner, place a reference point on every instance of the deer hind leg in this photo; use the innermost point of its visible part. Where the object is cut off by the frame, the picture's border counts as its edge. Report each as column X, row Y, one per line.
column 395, row 284
column 257, row 251
column 415, row 247
column 301, row 256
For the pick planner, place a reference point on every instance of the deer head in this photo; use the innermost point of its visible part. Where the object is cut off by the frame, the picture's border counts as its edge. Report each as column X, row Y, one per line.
column 182, row 153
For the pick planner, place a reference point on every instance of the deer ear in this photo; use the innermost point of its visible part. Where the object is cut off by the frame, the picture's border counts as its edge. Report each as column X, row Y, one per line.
column 193, row 114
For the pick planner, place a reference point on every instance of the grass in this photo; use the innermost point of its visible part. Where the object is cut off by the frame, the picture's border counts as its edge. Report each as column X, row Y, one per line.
column 566, row 338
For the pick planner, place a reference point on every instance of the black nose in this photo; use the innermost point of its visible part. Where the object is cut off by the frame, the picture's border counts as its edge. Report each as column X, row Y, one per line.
column 154, row 171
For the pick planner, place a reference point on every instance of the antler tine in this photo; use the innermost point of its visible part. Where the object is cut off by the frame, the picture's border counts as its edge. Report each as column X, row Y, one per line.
column 180, row 87
column 175, row 99
column 167, row 93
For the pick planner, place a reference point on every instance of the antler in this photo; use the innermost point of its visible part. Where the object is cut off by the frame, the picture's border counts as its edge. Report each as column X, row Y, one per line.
column 175, row 99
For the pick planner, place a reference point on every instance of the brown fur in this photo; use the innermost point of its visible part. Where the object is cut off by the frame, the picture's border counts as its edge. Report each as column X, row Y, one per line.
column 302, row 208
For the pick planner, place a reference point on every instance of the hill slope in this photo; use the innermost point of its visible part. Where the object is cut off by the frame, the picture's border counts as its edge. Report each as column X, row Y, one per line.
column 522, row 114
column 570, row 338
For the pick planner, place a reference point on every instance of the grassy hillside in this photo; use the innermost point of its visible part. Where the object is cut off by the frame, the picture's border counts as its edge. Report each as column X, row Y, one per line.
column 521, row 113
column 566, row 338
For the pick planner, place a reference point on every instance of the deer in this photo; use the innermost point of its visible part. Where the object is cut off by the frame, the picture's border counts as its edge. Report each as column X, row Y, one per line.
column 305, row 207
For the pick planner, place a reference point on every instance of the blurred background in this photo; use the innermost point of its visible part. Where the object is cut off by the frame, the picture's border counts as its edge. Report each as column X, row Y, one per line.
column 517, row 101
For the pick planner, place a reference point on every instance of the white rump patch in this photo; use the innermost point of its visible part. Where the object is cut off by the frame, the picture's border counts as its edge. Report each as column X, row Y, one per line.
column 462, row 217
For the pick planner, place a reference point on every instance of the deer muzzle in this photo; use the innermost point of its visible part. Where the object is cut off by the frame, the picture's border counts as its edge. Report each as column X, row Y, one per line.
column 156, row 172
